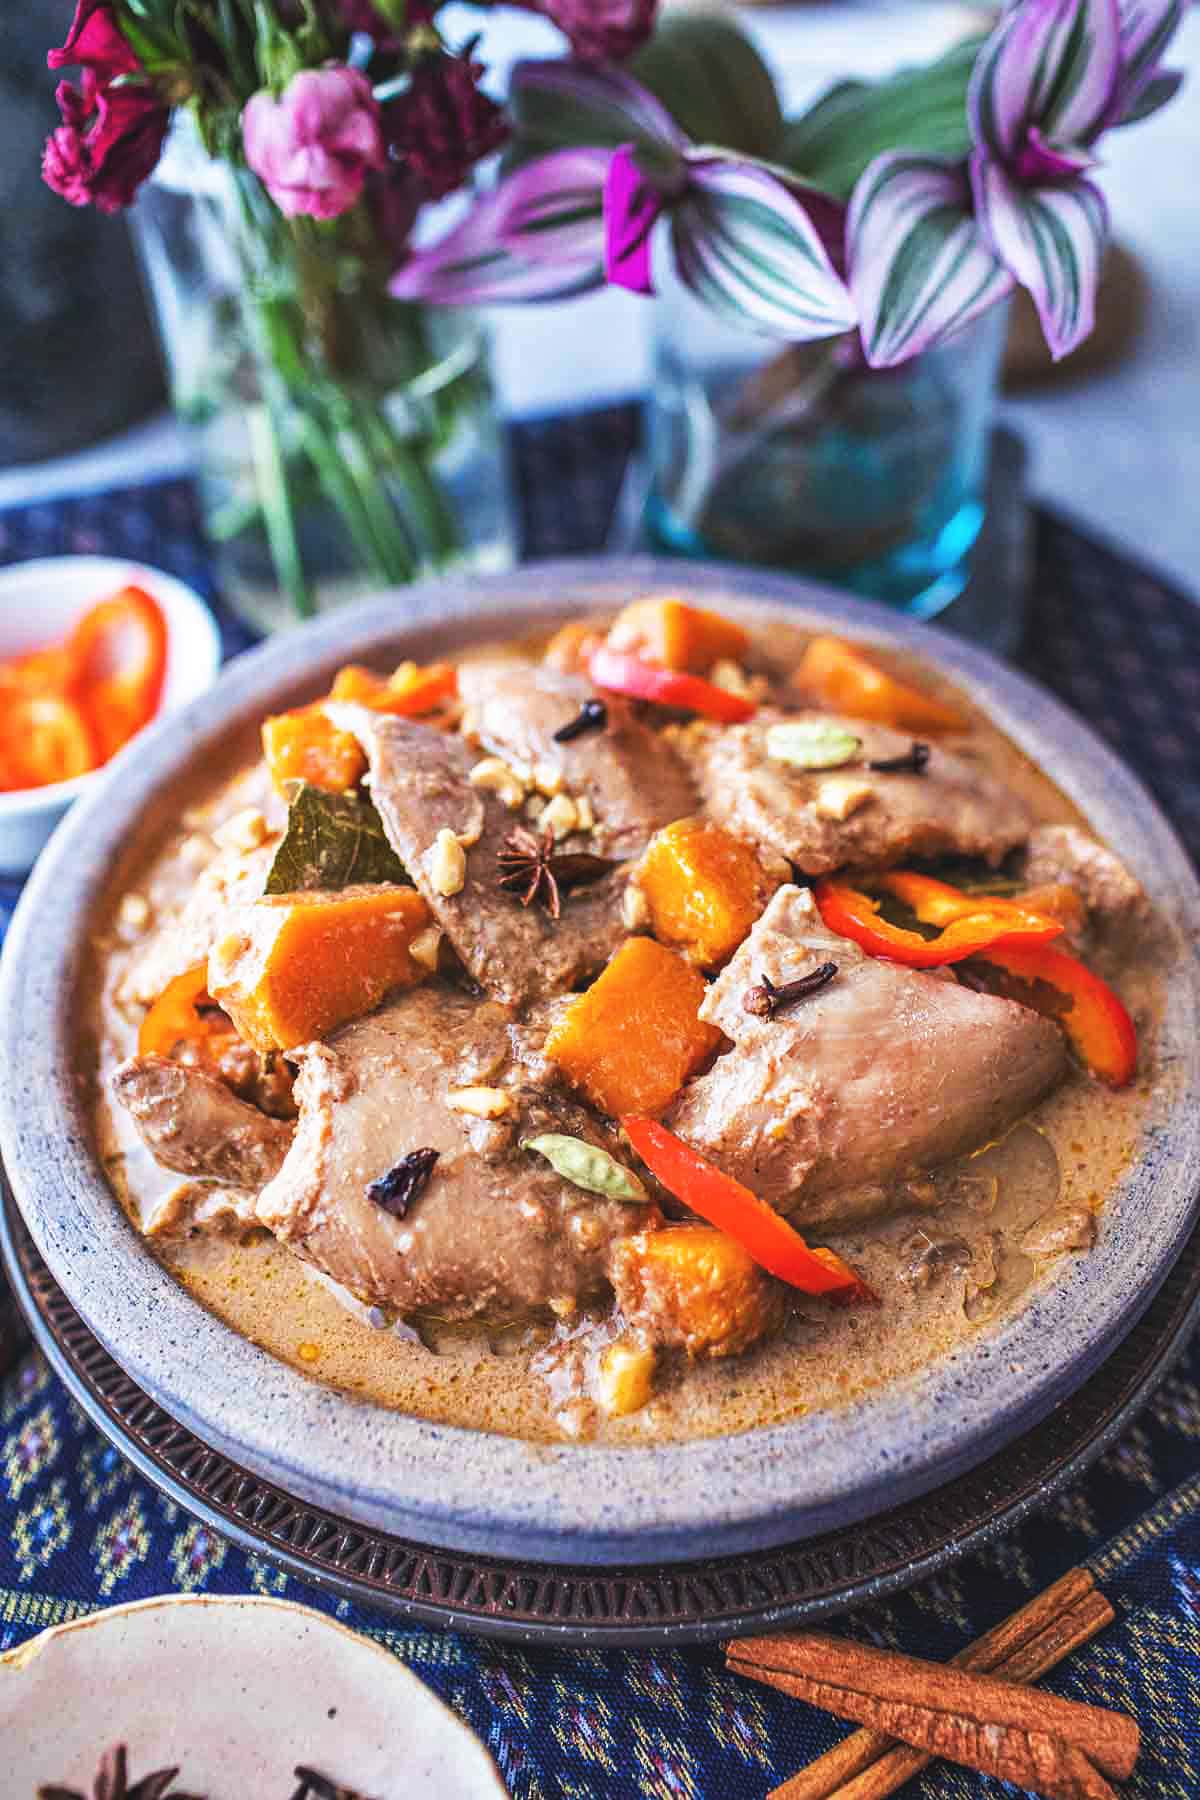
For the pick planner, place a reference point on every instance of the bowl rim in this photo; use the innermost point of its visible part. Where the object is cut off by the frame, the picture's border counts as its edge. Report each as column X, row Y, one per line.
column 479, row 1491
column 22, row 801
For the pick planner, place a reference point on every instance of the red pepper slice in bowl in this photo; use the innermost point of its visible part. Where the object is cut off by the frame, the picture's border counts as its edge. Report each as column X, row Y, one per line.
column 1067, row 991
column 774, row 1244
column 621, row 672
column 971, row 923
column 119, row 651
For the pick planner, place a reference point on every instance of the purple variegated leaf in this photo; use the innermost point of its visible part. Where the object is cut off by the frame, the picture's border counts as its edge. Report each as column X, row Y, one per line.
column 632, row 207
column 919, row 269
column 1053, row 64
column 745, row 245
column 1037, row 161
column 538, row 236
column 1147, row 27
column 559, row 104
column 1151, row 97
column 1052, row 241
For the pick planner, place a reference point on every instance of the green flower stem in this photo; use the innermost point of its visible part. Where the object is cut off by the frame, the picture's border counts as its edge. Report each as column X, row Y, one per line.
column 327, row 449
column 438, row 526
column 271, row 472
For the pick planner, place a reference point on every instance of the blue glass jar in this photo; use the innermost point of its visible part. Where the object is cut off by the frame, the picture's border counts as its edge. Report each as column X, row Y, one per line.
column 801, row 458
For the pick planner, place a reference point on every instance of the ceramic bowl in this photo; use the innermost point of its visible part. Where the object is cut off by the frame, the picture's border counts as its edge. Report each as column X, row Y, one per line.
column 39, row 603
column 478, row 1491
column 235, row 1691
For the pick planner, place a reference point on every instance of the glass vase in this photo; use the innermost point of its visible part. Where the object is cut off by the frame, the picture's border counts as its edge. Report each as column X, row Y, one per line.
column 344, row 441
column 802, row 458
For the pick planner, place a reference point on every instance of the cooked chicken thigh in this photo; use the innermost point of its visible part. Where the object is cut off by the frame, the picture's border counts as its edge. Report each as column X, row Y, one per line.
column 884, row 1072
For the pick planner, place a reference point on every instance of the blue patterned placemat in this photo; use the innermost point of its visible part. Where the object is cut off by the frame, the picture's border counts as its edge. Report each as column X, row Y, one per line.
column 79, row 1529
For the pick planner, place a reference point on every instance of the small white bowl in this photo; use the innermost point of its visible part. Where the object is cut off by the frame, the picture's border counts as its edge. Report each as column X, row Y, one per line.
column 39, row 603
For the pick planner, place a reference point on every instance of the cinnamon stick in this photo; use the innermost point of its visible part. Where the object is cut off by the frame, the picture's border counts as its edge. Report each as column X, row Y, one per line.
column 1016, row 1733
column 868, row 1765
column 861, row 1749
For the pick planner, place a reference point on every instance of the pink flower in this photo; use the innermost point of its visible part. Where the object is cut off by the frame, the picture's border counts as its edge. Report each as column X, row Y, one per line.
column 312, row 147
column 445, row 123
column 95, row 42
column 109, row 141
column 600, row 30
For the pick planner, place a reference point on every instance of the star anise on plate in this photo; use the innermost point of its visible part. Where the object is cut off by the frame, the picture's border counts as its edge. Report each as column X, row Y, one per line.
column 111, row 1782
column 533, row 868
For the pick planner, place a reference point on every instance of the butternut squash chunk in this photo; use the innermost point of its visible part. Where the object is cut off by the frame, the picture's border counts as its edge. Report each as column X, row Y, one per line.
column 295, row 966
column 692, row 1288
column 704, row 888
column 631, row 1041
column 839, row 676
column 303, row 745
column 678, row 636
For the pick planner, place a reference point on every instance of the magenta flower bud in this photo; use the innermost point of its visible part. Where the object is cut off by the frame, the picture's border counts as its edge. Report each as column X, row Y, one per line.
column 313, row 146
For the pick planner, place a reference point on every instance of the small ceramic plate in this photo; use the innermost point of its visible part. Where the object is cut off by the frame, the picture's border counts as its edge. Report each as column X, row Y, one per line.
column 235, row 1692
column 39, row 602
column 478, row 1491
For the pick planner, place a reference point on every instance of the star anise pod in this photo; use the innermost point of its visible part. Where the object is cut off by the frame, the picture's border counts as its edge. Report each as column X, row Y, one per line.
column 532, row 868
column 111, row 1782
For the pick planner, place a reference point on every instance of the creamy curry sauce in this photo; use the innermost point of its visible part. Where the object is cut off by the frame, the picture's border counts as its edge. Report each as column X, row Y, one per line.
column 532, row 1381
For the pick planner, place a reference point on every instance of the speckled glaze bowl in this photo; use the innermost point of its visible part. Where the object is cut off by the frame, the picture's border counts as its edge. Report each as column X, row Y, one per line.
column 480, row 1492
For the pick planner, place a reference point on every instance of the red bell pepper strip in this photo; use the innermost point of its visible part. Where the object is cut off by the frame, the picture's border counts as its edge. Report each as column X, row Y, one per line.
column 119, row 649
column 623, row 673
column 1092, row 1016
column 44, row 738
column 732, row 1208
column 410, row 692
column 971, row 923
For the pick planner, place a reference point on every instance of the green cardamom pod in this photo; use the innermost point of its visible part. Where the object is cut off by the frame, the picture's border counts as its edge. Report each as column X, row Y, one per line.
column 587, row 1166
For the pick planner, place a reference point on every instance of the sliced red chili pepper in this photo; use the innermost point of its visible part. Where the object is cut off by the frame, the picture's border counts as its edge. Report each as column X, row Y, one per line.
column 971, row 923
column 44, row 738
column 732, row 1208
column 184, row 1014
column 119, row 648
column 623, row 673
column 1093, row 1017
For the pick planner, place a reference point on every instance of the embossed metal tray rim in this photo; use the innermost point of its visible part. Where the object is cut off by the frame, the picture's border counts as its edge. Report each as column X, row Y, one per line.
column 599, row 1607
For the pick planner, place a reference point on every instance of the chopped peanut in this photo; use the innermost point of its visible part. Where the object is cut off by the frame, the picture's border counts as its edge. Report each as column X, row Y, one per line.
column 447, row 864
column 494, row 774
column 560, row 816
column 480, row 1102
column 625, row 1378
column 838, row 796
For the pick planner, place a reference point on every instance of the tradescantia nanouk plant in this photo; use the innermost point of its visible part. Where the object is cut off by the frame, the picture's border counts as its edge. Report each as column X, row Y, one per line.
column 902, row 209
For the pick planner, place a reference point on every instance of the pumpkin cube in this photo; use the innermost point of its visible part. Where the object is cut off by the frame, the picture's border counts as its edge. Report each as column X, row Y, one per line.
column 692, row 1288
column 704, row 888
column 631, row 1041
column 293, row 967
column 667, row 631
column 303, row 745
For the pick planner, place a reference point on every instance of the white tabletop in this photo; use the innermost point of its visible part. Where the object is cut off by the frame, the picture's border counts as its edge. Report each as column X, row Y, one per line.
column 1120, row 450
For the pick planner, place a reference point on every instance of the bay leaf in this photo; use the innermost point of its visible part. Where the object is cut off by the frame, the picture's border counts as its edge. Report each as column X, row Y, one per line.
column 332, row 841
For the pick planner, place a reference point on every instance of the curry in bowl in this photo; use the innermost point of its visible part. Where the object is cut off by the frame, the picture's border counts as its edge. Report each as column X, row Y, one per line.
column 647, row 1033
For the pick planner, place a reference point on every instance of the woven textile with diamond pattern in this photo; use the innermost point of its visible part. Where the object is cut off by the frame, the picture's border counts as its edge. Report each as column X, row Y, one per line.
column 81, row 1529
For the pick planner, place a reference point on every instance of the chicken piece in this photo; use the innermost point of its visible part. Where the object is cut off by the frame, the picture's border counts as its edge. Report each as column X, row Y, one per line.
column 633, row 778
column 184, row 938
column 1065, row 856
column 856, row 816
column 691, row 1288
column 883, row 1072
column 495, row 1233
column 420, row 785
column 191, row 1121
